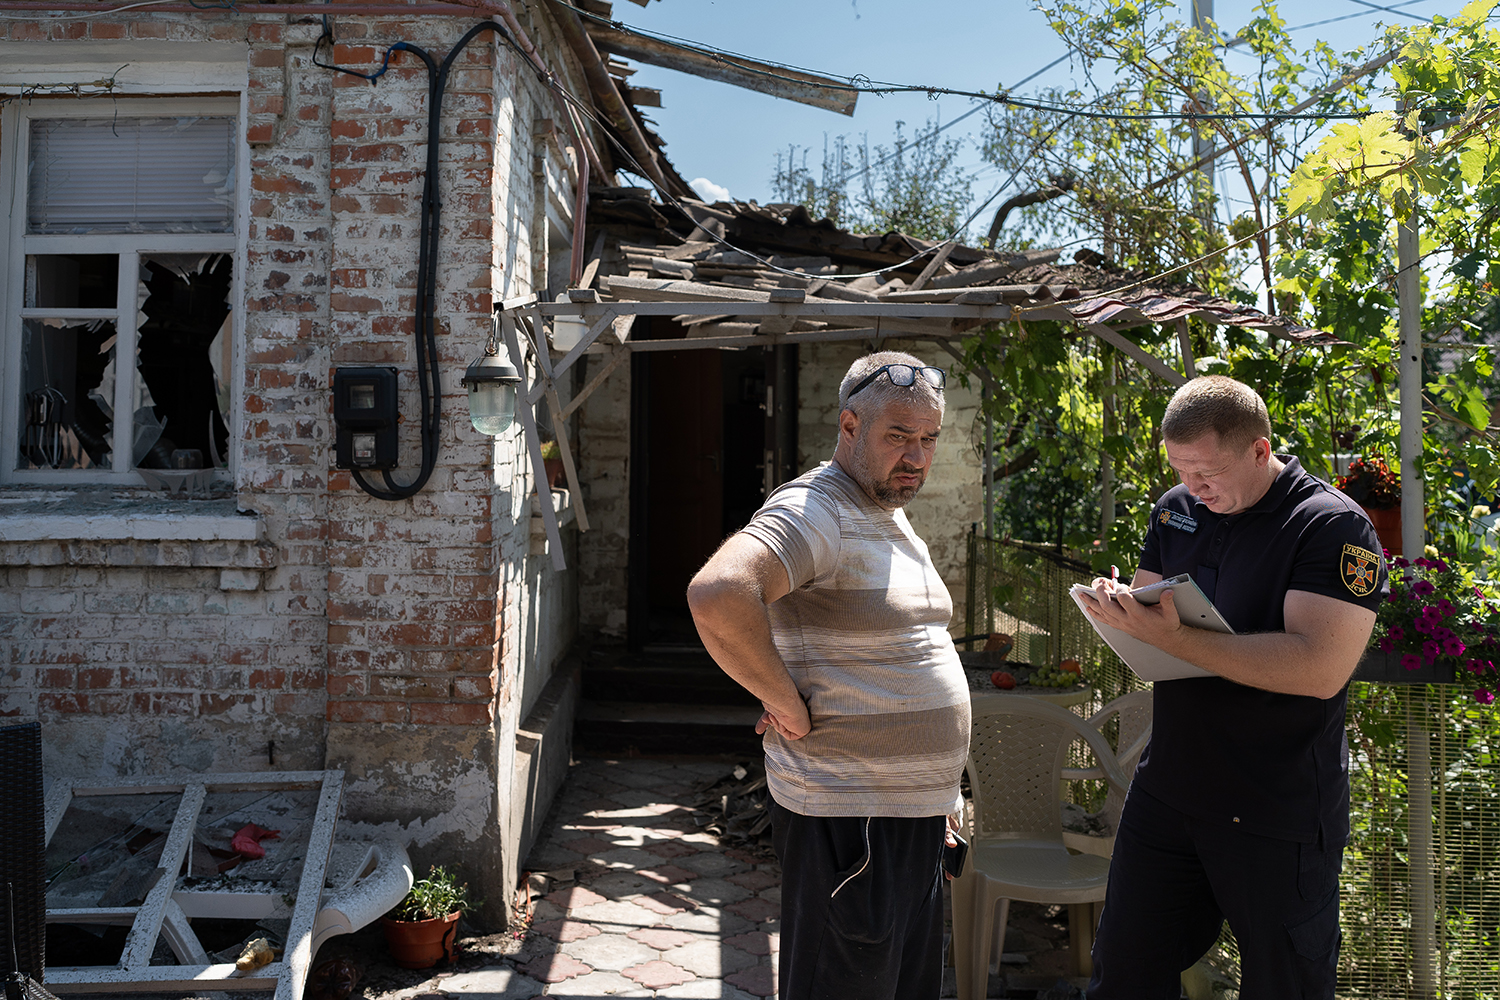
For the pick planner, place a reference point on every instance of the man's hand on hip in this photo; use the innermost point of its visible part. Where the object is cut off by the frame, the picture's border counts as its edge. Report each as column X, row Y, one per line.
column 791, row 723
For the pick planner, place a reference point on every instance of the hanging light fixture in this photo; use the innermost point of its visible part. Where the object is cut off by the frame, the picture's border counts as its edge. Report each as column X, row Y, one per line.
column 492, row 390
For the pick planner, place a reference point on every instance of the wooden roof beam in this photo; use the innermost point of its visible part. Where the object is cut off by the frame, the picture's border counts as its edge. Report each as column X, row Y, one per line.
column 767, row 78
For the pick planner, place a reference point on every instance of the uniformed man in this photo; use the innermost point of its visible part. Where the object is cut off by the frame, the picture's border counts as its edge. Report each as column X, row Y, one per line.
column 1239, row 809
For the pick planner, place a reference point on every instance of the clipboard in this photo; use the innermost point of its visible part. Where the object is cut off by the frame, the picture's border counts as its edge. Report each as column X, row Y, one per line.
column 1148, row 662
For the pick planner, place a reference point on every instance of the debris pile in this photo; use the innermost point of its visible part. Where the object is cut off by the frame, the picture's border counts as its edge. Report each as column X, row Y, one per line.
column 736, row 806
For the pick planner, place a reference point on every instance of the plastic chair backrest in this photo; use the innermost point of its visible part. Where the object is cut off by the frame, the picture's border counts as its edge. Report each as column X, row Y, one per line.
column 1016, row 754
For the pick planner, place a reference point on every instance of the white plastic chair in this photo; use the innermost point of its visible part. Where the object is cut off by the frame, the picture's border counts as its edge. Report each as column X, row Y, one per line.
column 1134, row 711
column 1017, row 755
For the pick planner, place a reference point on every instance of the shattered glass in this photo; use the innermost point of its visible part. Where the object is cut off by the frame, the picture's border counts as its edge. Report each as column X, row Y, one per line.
column 182, row 355
column 67, row 365
column 107, row 849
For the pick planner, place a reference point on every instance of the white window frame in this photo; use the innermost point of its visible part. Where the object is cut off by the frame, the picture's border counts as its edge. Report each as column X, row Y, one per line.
column 16, row 244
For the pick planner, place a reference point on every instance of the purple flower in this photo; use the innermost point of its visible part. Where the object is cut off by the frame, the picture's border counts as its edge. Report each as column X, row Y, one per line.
column 1483, row 697
column 1422, row 561
column 1445, row 608
column 1422, row 588
column 1423, row 624
column 1453, row 646
column 1471, row 665
column 1411, row 661
column 1400, row 562
column 1430, row 651
column 1396, row 633
column 1386, row 645
column 1440, row 566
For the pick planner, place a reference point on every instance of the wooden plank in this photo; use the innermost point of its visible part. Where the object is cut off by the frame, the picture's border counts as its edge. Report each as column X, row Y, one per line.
column 534, row 442
column 768, row 78
column 938, row 260
column 592, row 267
column 141, row 940
column 812, row 309
column 112, row 915
column 162, row 978
column 298, row 954
column 617, row 357
column 180, row 937
column 1186, row 344
column 1107, row 335
column 246, row 781
column 560, row 428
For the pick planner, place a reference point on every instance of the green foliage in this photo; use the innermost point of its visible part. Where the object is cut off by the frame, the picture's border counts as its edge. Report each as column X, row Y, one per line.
column 437, row 895
column 913, row 186
column 1321, row 231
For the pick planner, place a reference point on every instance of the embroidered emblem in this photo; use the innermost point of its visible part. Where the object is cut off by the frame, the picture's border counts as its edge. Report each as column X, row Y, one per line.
column 1360, row 570
column 1181, row 522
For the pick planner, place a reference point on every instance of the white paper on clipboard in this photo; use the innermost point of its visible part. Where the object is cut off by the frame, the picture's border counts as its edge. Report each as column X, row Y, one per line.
column 1148, row 662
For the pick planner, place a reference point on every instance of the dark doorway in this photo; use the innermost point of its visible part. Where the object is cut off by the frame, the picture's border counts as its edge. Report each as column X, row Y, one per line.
column 707, row 442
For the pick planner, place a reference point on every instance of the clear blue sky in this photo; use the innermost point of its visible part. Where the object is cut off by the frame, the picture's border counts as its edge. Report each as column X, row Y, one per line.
column 731, row 136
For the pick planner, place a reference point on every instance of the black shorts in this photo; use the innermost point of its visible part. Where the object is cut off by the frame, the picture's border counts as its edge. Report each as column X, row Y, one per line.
column 861, row 906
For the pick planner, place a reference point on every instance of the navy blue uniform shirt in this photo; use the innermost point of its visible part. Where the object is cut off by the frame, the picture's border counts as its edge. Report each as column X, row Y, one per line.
column 1275, row 764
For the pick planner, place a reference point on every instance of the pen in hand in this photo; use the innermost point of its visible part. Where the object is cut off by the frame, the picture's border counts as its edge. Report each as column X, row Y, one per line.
column 1114, row 575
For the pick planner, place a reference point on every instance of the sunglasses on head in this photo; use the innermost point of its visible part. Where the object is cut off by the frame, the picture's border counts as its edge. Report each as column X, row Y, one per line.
column 902, row 375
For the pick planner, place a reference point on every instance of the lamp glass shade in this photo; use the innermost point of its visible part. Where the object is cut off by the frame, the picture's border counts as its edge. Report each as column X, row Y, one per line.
column 492, row 407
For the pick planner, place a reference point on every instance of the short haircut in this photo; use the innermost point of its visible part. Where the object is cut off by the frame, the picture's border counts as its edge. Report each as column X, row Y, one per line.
column 879, row 394
column 1214, row 403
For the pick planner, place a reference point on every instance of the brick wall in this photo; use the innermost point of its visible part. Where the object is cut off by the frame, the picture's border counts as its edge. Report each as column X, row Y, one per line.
column 391, row 640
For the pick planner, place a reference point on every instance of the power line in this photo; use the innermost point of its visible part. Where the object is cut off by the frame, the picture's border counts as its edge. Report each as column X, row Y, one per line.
column 1391, row 10
column 861, row 84
column 840, row 182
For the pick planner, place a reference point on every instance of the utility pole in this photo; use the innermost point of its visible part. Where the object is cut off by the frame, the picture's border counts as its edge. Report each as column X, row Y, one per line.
column 1203, row 145
column 1413, row 538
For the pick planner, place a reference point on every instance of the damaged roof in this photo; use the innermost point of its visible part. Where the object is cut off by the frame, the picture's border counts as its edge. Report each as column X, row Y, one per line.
column 690, row 251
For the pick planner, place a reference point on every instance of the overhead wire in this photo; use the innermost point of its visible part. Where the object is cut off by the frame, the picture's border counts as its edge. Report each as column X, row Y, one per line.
column 839, row 182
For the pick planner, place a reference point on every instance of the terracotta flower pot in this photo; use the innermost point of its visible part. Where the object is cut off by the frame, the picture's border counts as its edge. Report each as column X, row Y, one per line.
column 418, row 944
column 1387, row 522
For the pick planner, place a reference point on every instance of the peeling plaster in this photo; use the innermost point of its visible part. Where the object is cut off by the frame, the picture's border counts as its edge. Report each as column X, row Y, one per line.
column 471, row 811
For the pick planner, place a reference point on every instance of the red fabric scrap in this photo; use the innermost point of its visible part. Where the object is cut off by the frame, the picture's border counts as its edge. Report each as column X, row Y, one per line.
column 248, row 837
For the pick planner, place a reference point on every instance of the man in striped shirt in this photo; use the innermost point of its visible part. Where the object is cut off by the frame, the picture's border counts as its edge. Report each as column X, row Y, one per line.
column 828, row 609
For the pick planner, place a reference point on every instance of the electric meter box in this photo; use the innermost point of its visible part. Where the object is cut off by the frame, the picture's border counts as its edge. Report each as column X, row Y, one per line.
column 365, row 417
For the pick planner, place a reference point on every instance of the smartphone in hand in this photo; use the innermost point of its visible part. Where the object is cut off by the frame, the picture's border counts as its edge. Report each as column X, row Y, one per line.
column 954, row 855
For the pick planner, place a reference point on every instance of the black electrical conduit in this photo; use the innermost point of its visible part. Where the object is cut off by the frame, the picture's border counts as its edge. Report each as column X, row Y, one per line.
column 429, row 375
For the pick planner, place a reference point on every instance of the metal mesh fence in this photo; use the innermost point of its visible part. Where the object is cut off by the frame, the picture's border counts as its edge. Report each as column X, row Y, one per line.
column 1406, row 936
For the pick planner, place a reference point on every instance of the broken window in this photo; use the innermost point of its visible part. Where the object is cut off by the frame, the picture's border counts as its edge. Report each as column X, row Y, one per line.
column 125, row 336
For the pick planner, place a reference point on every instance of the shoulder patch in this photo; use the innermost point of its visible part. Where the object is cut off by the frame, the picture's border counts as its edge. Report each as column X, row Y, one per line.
column 1359, row 569
column 1181, row 522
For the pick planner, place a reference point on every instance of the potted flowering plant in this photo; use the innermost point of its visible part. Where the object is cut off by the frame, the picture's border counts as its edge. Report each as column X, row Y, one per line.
column 1370, row 483
column 424, row 925
column 1438, row 625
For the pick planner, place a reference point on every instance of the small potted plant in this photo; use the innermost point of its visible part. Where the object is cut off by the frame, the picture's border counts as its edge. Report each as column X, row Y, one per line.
column 553, row 464
column 424, row 925
column 1439, row 624
column 1371, row 484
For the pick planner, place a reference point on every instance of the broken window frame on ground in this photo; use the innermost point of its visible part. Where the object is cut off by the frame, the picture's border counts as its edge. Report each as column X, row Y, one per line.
column 167, row 909
column 132, row 250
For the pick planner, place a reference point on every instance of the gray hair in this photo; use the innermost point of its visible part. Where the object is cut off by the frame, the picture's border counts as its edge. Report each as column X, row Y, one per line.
column 879, row 394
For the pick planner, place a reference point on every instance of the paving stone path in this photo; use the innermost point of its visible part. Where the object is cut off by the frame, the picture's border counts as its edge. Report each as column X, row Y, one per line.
column 658, row 908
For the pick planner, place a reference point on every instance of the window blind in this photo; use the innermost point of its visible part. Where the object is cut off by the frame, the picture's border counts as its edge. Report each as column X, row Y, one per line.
column 127, row 175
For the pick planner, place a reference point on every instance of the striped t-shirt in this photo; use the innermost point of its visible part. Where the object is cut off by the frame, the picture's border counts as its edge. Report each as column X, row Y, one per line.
column 864, row 634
